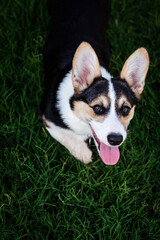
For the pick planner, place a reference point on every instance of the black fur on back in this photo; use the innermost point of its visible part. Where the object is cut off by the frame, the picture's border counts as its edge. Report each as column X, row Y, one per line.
column 72, row 22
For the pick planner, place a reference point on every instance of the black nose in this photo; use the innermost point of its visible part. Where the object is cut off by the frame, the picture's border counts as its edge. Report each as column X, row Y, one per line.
column 115, row 138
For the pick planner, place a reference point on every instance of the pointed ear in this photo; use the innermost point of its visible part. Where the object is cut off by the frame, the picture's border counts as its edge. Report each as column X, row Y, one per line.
column 135, row 70
column 85, row 67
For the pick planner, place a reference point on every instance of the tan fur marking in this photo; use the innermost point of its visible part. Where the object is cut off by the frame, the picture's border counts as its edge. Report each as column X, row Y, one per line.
column 84, row 112
column 123, row 100
column 101, row 100
column 126, row 120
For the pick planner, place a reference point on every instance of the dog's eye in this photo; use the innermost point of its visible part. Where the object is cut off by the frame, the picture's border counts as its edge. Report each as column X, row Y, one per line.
column 99, row 110
column 125, row 110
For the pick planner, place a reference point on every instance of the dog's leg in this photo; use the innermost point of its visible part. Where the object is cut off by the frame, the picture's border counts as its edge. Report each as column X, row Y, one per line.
column 74, row 143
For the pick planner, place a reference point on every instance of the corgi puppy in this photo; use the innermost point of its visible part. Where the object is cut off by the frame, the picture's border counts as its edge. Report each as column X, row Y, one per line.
column 81, row 99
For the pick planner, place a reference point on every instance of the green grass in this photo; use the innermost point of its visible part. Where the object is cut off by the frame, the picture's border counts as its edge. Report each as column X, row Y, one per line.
column 44, row 192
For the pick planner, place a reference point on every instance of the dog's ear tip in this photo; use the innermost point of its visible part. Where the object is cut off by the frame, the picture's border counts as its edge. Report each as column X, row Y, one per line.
column 143, row 51
column 83, row 45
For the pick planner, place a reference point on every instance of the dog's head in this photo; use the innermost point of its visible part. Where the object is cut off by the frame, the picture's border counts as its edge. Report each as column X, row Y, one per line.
column 107, row 104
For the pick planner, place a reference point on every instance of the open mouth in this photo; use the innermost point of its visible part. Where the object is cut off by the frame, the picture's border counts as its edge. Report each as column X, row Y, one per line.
column 109, row 155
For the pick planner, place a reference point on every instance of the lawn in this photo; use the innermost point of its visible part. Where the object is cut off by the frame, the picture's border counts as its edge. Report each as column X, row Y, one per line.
column 44, row 192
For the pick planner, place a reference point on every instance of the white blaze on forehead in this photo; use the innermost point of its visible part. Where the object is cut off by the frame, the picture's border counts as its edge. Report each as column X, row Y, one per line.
column 113, row 120
column 111, row 124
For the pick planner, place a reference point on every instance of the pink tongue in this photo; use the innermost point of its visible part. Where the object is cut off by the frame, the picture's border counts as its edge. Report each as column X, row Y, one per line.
column 109, row 155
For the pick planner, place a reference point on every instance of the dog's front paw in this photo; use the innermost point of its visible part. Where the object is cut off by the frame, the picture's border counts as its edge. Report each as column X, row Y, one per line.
column 87, row 157
column 82, row 153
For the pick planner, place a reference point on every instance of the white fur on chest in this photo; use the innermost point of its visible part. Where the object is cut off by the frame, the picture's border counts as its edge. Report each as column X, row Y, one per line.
column 65, row 92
